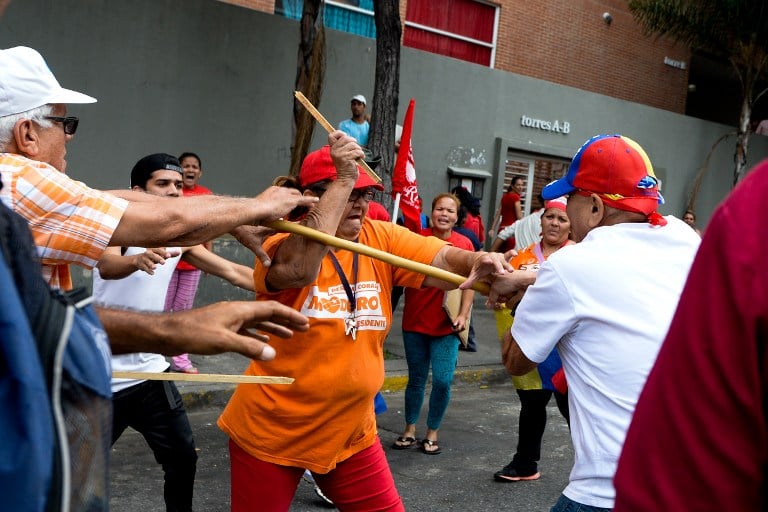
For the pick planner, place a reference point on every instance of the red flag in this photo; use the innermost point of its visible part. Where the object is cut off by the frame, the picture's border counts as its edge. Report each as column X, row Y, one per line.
column 404, row 176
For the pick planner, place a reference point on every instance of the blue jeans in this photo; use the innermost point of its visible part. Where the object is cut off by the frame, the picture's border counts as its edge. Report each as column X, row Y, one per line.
column 565, row 504
column 421, row 351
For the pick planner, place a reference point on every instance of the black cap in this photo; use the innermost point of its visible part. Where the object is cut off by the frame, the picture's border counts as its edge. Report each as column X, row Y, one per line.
column 144, row 168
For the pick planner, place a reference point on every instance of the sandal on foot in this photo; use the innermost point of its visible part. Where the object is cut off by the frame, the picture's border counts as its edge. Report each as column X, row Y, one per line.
column 404, row 442
column 431, row 444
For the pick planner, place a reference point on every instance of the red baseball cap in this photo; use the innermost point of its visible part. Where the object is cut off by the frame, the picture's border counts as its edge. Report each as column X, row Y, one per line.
column 318, row 167
column 614, row 167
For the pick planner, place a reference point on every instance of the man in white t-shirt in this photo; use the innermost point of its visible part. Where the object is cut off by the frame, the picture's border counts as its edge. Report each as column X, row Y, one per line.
column 137, row 278
column 606, row 304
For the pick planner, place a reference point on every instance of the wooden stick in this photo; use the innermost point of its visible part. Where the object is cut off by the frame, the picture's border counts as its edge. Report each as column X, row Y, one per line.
column 204, row 377
column 421, row 268
column 329, row 128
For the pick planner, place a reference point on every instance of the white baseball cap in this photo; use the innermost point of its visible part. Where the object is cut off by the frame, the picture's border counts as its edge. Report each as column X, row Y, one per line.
column 360, row 98
column 26, row 82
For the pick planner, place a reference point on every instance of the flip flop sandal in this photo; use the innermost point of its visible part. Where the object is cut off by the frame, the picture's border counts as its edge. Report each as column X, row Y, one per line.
column 432, row 444
column 404, row 443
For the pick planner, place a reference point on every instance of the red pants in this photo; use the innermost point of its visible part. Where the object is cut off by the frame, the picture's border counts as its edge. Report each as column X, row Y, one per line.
column 363, row 483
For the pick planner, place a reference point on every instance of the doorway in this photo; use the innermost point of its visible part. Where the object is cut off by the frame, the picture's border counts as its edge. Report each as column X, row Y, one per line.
column 537, row 171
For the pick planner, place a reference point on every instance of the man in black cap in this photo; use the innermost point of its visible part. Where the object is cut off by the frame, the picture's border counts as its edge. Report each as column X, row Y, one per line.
column 137, row 278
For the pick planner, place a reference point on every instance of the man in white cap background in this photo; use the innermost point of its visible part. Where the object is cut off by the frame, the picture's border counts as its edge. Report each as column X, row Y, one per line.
column 605, row 303
column 72, row 223
column 357, row 126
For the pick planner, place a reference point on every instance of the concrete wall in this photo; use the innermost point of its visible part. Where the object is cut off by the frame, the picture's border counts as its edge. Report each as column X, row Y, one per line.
column 217, row 79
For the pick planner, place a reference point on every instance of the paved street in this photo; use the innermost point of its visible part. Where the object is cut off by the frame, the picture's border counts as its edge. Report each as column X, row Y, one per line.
column 477, row 438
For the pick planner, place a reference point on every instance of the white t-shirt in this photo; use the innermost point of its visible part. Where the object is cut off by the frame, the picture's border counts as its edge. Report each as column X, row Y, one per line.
column 606, row 303
column 526, row 231
column 141, row 292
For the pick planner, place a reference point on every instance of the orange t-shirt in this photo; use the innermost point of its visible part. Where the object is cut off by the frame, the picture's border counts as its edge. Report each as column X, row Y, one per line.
column 326, row 415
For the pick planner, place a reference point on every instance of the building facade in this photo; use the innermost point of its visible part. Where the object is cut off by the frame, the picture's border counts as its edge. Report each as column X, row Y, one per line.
column 217, row 79
column 594, row 45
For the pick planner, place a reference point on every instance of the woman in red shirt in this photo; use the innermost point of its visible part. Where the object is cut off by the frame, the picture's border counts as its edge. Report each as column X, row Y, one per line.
column 430, row 337
column 510, row 210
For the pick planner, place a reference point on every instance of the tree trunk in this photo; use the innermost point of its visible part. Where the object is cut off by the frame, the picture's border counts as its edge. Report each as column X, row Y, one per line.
column 386, row 88
column 3, row 5
column 310, row 73
column 699, row 179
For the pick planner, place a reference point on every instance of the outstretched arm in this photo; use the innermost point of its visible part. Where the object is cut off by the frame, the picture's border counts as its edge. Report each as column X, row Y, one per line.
column 193, row 220
column 476, row 265
column 215, row 329
column 238, row 275
column 114, row 265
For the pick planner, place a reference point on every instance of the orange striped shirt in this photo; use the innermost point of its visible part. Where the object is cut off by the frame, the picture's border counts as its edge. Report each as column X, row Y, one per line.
column 70, row 222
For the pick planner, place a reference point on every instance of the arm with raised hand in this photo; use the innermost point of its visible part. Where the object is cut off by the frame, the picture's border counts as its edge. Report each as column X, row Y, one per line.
column 297, row 260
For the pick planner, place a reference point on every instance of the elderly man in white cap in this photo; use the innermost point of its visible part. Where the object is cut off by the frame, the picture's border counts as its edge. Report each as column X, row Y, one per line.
column 357, row 126
column 72, row 223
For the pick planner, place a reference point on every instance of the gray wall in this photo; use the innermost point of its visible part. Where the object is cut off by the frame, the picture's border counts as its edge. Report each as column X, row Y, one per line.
column 201, row 75
column 217, row 79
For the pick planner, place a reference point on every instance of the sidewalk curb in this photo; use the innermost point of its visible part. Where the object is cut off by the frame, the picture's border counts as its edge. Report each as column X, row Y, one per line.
column 197, row 397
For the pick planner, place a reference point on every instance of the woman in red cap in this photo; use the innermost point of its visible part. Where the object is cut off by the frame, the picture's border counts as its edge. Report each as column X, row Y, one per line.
column 324, row 421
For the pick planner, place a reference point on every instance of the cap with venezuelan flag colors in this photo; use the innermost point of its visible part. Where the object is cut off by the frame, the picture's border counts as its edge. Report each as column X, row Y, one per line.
column 617, row 169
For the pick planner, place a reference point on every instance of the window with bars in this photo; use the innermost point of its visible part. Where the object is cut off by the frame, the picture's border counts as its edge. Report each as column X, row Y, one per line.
column 462, row 29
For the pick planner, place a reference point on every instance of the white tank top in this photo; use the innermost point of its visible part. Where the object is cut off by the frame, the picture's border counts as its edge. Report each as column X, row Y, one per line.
column 140, row 292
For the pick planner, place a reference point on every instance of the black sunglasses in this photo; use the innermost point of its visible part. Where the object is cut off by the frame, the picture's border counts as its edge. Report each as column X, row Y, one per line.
column 68, row 123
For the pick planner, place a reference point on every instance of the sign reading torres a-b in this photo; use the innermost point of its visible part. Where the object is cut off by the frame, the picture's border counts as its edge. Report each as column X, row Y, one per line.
column 556, row 126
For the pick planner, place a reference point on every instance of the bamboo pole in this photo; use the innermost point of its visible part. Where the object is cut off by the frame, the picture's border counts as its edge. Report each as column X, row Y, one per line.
column 421, row 268
column 329, row 128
